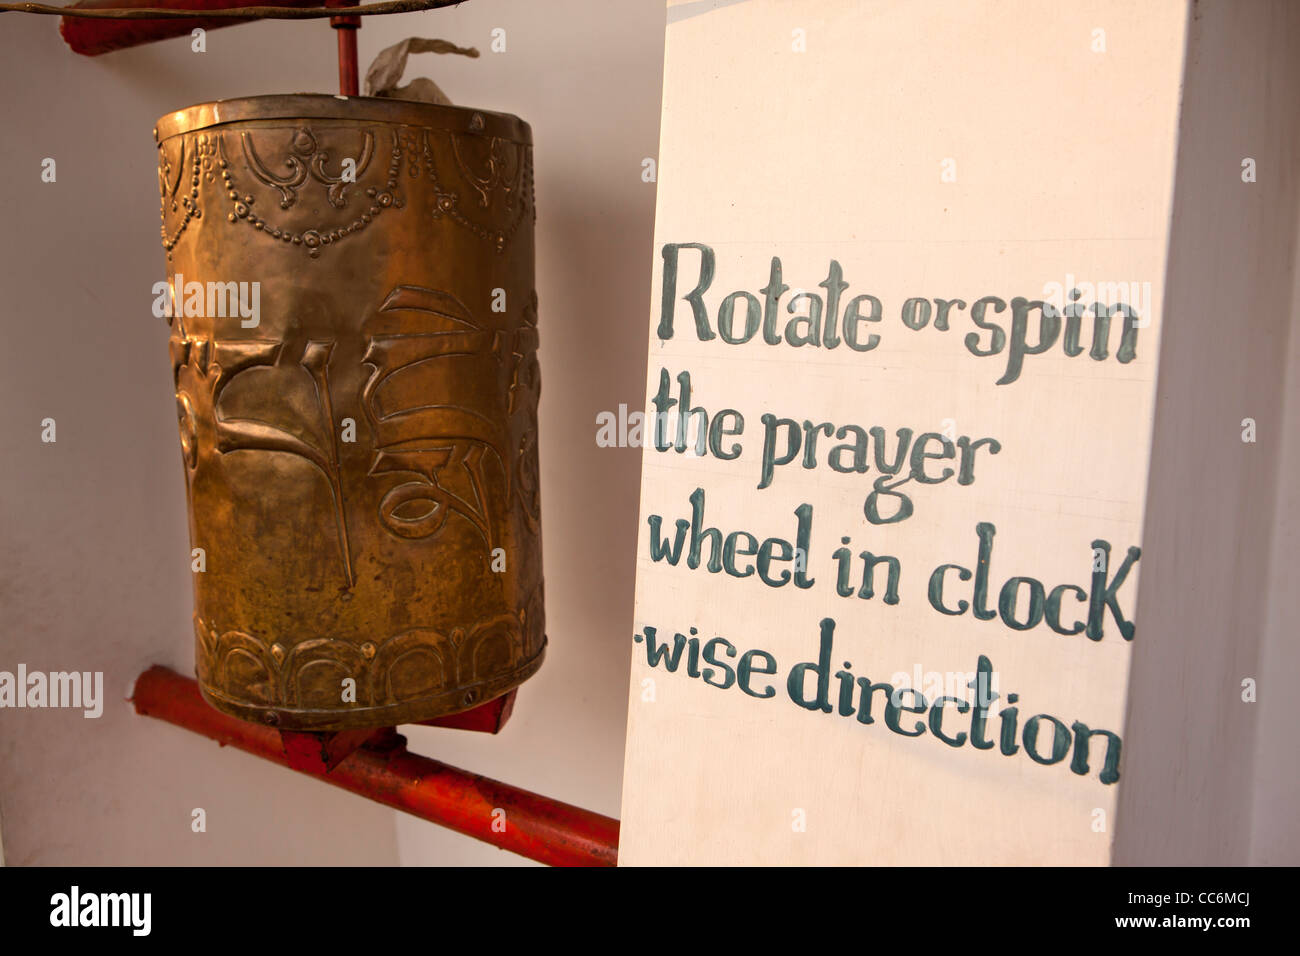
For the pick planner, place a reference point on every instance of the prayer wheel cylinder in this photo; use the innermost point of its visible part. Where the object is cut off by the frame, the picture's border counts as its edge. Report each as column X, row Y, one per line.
column 354, row 351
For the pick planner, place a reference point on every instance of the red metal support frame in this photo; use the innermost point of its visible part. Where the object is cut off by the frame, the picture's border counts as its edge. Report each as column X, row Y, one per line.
column 383, row 770
column 96, row 37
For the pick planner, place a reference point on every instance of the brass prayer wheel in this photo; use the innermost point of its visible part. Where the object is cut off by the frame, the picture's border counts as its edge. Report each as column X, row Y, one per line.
column 354, row 351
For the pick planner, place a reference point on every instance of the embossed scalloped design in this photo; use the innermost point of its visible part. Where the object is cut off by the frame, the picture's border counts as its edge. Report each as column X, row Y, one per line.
column 310, row 675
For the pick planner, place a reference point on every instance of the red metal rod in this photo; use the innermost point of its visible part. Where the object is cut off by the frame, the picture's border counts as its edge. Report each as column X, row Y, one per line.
column 348, row 81
column 346, row 28
column 383, row 770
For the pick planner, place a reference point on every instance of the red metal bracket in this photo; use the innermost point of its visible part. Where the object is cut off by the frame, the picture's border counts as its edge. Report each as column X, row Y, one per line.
column 486, row 718
column 312, row 751
column 377, row 765
column 95, row 37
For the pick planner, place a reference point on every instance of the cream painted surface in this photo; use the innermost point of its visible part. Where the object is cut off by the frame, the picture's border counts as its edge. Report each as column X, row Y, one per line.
column 836, row 153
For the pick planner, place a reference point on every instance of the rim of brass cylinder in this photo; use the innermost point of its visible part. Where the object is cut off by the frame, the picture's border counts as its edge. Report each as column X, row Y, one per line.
column 348, row 109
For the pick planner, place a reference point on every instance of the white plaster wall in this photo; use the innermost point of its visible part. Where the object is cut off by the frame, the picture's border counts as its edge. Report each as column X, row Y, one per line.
column 1210, row 778
column 1275, row 832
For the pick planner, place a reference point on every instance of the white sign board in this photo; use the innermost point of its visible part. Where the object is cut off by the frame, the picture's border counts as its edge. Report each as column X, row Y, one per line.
column 908, row 281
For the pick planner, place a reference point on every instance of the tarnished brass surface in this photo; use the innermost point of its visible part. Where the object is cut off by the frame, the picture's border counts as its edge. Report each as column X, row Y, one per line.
column 396, row 576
